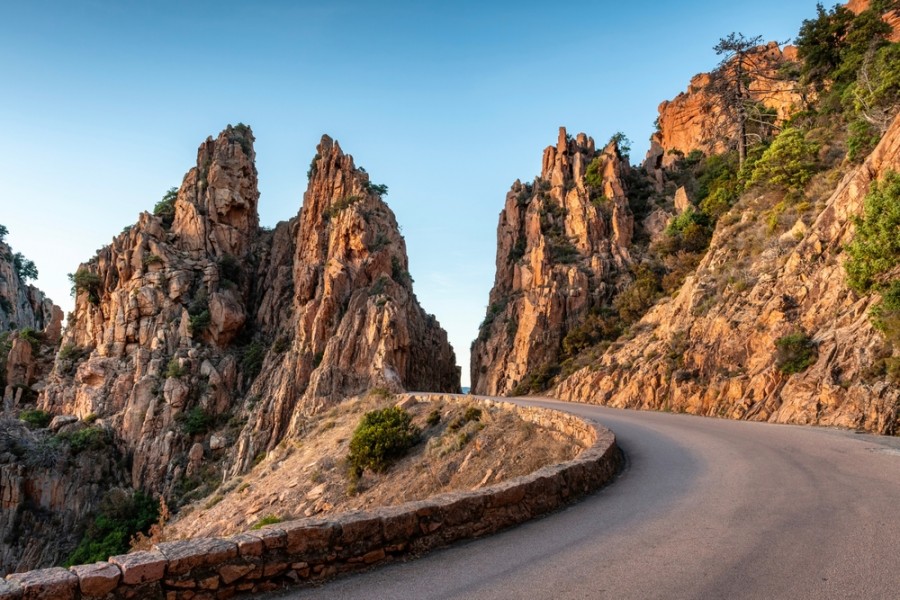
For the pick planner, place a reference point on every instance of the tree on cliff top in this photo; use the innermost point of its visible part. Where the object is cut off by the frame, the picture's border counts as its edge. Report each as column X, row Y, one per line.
column 741, row 117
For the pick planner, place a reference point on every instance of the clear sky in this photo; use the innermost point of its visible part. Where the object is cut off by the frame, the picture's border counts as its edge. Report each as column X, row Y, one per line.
column 103, row 105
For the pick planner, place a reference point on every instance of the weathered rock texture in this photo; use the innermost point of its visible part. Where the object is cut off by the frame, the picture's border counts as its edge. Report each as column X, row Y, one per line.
column 175, row 320
column 151, row 335
column 712, row 354
column 46, row 492
column 356, row 322
column 562, row 249
column 23, row 307
column 692, row 120
column 891, row 17
column 309, row 550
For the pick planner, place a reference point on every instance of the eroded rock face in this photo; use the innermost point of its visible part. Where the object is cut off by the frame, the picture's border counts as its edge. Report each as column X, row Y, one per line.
column 202, row 324
column 156, row 314
column 46, row 492
column 562, row 249
column 23, row 308
column 355, row 322
column 891, row 17
column 715, row 355
column 690, row 122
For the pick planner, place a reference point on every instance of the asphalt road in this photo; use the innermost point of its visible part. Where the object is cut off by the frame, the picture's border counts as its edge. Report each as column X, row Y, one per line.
column 705, row 508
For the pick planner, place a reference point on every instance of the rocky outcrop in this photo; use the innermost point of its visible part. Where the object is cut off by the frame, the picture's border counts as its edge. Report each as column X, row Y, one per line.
column 891, row 17
column 30, row 326
column 692, row 121
column 23, row 306
column 156, row 313
column 562, row 249
column 355, row 321
column 47, row 491
column 178, row 316
column 710, row 350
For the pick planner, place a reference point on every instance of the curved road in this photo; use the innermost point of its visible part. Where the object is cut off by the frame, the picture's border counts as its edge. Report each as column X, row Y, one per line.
column 705, row 508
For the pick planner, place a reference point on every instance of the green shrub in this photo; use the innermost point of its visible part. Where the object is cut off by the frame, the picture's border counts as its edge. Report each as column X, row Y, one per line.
column 875, row 249
column 382, row 437
column 623, row 144
column 593, row 176
column 537, row 380
column 34, row 338
column 493, row 310
column 281, row 345
column 600, row 325
column 399, row 273
column 252, row 359
column 36, row 418
column 200, row 322
column 313, row 166
column 788, row 163
column 340, row 206
column 3, row 233
column 89, row 438
column 85, row 281
column 196, row 421
column 269, row 519
column 379, row 189
column 886, row 314
column 198, row 311
column 121, row 516
column 381, row 392
column 875, row 95
column 861, row 140
column 434, row 417
column 165, row 208
column 230, row 269
column 794, row 353
column 174, row 369
column 241, row 134
column 471, row 414
column 152, row 259
column 640, row 295
column 25, row 269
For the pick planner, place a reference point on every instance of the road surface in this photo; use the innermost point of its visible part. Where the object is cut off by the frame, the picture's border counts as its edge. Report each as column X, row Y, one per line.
column 705, row 509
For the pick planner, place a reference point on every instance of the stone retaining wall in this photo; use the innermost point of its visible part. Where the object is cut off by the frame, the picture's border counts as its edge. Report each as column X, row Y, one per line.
column 313, row 549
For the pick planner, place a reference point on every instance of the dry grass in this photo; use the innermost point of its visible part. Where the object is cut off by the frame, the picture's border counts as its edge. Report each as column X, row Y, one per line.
column 309, row 476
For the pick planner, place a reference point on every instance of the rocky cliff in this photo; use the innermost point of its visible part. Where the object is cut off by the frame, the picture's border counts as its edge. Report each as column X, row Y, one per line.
column 711, row 349
column 562, row 250
column 891, row 17
column 355, row 320
column 690, row 121
column 30, row 326
column 195, row 324
column 48, row 488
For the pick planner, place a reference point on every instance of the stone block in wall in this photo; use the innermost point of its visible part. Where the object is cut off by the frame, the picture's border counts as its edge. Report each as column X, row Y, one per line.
column 360, row 533
column 248, row 544
column 98, row 579
column 55, row 582
column 186, row 555
column 310, row 539
column 458, row 508
column 141, row 567
column 273, row 538
column 10, row 590
column 399, row 524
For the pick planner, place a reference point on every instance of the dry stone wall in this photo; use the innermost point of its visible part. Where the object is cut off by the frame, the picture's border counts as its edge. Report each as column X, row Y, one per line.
column 316, row 549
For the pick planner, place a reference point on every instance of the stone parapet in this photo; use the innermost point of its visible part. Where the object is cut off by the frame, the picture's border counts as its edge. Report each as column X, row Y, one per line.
column 315, row 549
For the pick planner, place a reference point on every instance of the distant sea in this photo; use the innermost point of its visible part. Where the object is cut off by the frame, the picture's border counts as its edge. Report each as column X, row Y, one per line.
column 465, row 390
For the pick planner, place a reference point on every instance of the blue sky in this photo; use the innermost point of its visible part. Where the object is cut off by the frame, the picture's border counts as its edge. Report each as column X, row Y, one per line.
column 103, row 105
